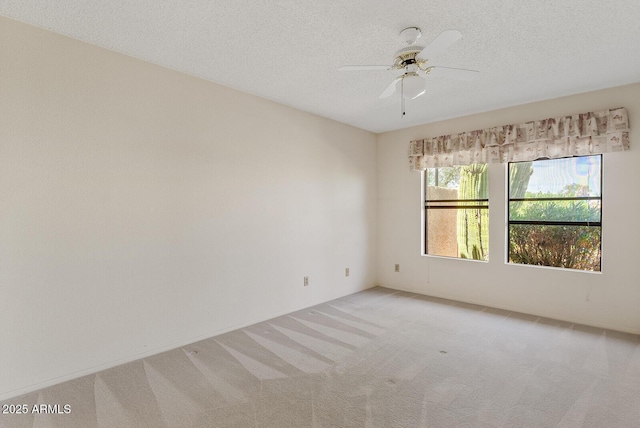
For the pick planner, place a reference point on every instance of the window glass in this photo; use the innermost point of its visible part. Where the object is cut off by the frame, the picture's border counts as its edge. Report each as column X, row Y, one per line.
column 457, row 212
column 555, row 209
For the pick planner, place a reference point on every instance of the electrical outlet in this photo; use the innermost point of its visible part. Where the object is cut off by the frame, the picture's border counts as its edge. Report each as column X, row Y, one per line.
column 346, row 272
column 306, row 281
column 397, row 267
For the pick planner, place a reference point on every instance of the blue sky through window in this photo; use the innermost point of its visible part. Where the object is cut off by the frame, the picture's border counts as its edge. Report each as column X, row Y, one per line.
column 551, row 176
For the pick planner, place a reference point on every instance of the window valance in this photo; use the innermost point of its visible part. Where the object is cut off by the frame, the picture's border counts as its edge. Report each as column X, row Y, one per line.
column 581, row 134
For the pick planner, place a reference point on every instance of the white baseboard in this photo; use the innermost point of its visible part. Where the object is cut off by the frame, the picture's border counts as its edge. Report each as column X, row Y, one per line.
column 96, row 369
column 518, row 310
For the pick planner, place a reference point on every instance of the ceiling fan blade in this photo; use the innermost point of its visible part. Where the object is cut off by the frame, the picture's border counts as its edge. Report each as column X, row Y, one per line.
column 440, row 44
column 364, row 67
column 454, row 73
column 390, row 89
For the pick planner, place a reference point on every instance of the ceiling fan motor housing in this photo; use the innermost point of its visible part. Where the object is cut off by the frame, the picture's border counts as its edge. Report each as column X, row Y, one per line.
column 407, row 56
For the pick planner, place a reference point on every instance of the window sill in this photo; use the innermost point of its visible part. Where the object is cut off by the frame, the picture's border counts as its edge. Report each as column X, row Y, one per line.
column 554, row 268
column 454, row 258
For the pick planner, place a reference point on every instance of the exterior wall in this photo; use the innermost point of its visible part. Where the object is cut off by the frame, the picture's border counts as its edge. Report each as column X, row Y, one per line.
column 443, row 225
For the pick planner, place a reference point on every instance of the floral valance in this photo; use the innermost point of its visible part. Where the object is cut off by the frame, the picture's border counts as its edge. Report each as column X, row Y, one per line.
column 581, row 134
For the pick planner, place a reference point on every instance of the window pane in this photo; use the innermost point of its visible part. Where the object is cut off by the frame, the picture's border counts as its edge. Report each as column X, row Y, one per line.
column 448, row 177
column 457, row 212
column 460, row 233
column 555, row 211
column 442, row 233
column 561, row 178
column 574, row 247
column 559, row 210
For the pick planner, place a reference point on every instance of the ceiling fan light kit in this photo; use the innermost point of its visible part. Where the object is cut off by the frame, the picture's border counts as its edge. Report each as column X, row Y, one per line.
column 413, row 85
column 413, row 59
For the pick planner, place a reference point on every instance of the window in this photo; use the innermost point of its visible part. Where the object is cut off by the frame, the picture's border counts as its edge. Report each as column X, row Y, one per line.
column 555, row 209
column 457, row 212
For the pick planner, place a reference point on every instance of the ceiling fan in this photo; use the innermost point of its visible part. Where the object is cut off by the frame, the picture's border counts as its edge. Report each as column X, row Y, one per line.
column 413, row 60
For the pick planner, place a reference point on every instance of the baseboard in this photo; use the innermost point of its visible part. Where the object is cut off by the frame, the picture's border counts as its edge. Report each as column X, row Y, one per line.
column 101, row 367
column 518, row 310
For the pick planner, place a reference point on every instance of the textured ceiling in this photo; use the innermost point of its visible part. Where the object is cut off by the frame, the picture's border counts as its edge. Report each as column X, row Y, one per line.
column 289, row 50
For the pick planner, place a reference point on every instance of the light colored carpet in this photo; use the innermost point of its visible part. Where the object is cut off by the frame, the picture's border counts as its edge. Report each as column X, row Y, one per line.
column 379, row 358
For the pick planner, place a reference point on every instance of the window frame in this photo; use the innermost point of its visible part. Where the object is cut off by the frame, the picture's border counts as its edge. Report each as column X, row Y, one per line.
column 510, row 222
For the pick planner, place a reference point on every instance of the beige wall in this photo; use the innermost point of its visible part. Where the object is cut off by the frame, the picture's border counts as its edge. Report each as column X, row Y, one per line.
column 142, row 209
column 608, row 299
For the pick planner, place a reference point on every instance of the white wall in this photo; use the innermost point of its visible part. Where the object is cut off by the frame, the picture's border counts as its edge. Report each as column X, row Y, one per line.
column 142, row 209
column 609, row 299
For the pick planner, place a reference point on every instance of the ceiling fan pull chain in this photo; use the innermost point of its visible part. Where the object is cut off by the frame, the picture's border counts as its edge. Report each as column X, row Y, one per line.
column 402, row 97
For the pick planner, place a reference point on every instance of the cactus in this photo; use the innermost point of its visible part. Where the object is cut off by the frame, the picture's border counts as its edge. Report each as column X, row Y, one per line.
column 519, row 175
column 473, row 223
